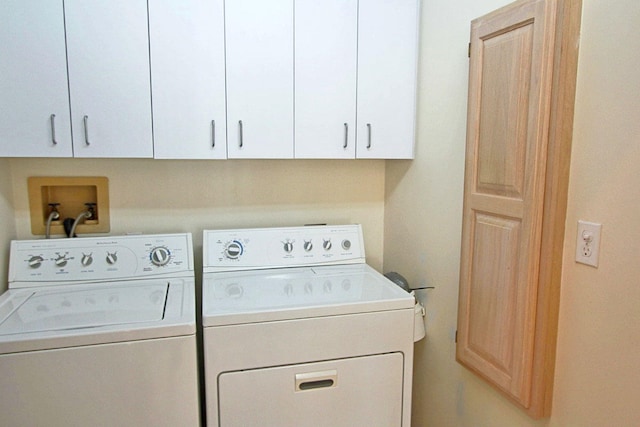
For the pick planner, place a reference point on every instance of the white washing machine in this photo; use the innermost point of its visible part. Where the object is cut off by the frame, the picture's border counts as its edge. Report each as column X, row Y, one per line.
column 100, row 332
column 299, row 331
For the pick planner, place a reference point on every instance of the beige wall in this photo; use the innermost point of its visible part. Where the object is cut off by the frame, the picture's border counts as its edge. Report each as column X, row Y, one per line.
column 153, row 196
column 7, row 223
column 598, row 362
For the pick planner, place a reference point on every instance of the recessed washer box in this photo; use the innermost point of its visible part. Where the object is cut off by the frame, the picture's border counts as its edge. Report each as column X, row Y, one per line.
column 71, row 194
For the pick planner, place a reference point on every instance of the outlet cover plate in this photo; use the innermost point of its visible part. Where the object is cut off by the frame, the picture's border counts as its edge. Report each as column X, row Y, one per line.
column 588, row 243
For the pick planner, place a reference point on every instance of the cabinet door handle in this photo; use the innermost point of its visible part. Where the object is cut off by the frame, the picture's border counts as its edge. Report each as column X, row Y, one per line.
column 213, row 133
column 53, row 129
column 240, row 142
column 346, row 135
column 85, row 120
column 368, row 136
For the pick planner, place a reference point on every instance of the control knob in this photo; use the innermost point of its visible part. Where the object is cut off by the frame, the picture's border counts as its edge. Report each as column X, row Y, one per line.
column 288, row 246
column 326, row 244
column 346, row 244
column 86, row 260
column 160, row 256
column 35, row 261
column 61, row 261
column 233, row 250
column 112, row 258
column 308, row 245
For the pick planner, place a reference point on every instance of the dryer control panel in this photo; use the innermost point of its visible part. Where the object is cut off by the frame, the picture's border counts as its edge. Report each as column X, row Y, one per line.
column 259, row 248
column 91, row 259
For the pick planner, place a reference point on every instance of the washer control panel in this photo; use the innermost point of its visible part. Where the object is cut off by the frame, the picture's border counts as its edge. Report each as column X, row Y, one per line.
column 256, row 248
column 99, row 258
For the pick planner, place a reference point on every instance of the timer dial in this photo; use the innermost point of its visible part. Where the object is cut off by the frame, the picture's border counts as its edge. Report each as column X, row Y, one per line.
column 233, row 250
column 160, row 256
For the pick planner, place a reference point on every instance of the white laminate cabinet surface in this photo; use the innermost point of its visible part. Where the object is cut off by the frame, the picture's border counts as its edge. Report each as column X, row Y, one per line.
column 259, row 59
column 109, row 82
column 325, row 78
column 33, row 80
column 188, row 79
column 387, row 64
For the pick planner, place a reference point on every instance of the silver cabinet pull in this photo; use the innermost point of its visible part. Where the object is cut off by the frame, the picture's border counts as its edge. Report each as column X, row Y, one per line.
column 368, row 136
column 53, row 129
column 240, row 142
column 85, row 119
column 346, row 135
column 213, row 133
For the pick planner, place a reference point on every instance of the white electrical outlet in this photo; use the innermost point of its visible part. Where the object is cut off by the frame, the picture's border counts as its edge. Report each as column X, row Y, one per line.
column 588, row 243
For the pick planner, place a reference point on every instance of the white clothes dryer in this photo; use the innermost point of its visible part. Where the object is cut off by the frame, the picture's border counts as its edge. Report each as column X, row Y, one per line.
column 100, row 331
column 299, row 331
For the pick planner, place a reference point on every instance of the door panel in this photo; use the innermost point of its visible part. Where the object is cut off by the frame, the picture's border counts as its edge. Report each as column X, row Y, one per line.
column 325, row 78
column 387, row 65
column 188, row 77
column 34, row 109
column 503, row 115
column 109, row 82
column 361, row 391
column 509, row 96
column 259, row 59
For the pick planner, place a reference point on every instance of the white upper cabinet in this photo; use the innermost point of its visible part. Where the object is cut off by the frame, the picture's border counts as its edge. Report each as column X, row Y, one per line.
column 259, row 59
column 109, row 82
column 325, row 78
column 188, row 79
column 34, row 100
column 387, row 70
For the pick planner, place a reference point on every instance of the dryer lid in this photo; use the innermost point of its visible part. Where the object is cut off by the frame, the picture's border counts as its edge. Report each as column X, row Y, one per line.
column 296, row 293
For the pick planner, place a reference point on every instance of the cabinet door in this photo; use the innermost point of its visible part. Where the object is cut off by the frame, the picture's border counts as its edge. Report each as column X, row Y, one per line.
column 387, row 67
column 259, row 53
column 34, row 105
column 187, row 69
column 109, row 82
column 507, row 140
column 325, row 78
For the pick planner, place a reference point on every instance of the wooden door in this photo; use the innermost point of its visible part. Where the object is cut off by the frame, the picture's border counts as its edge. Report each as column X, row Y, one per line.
column 34, row 105
column 188, row 78
column 109, row 82
column 259, row 59
column 510, row 84
column 325, row 78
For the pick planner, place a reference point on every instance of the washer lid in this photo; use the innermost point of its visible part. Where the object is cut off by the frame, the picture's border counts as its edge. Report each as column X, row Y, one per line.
column 46, row 310
column 296, row 293
column 71, row 315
